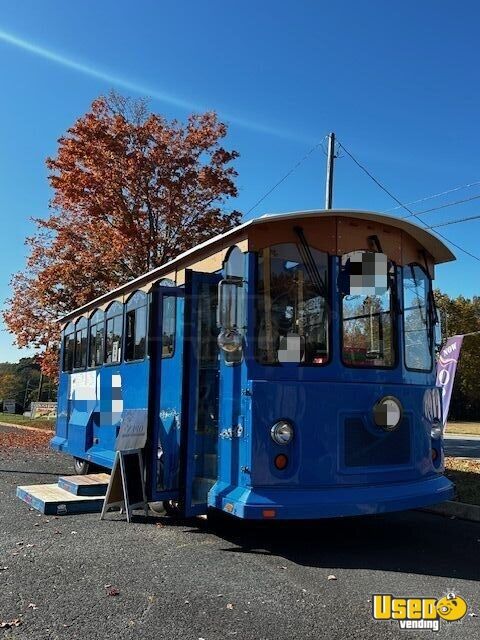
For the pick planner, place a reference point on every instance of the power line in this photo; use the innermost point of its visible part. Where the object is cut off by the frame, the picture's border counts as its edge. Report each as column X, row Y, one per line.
column 403, row 206
column 365, row 170
column 438, row 195
column 287, row 175
column 449, row 222
column 444, row 206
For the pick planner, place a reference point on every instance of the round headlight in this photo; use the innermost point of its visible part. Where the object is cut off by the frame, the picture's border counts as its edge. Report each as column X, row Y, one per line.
column 387, row 413
column 282, row 432
column 229, row 340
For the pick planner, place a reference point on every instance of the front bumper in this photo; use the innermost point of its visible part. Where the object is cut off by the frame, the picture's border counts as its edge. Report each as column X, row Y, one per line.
column 294, row 504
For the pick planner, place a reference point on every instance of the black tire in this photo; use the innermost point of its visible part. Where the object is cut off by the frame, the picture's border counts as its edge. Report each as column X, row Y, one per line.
column 172, row 508
column 157, row 507
column 82, row 467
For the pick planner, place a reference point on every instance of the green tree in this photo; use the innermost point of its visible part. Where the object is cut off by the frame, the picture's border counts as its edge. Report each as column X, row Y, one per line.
column 20, row 381
column 462, row 316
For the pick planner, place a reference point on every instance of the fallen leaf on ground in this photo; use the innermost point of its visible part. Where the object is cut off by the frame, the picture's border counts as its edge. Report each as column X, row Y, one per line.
column 113, row 591
column 25, row 440
column 12, row 623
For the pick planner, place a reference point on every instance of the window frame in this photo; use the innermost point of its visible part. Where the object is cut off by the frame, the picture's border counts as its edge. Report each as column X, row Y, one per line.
column 328, row 303
column 394, row 302
column 430, row 326
column 111, row 315
column 66, row 332
column 94, row 322
column 129, row 306
column 78, row 329
column 174, row 297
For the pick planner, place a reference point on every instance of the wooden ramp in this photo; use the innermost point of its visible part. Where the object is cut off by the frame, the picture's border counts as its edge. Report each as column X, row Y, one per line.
column 72, row 494
column 93, row 484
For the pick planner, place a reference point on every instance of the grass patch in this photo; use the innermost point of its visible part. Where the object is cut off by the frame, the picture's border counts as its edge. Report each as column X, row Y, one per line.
column 39, row 423
column 467, row 428
column 466, row 476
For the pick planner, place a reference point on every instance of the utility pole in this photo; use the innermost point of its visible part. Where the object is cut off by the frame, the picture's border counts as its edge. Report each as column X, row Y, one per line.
column 25, row 396
column 330, row 161
column 40, row 385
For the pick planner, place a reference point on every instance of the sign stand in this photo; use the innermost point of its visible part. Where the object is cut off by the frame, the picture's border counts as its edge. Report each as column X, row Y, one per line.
column 126, row 488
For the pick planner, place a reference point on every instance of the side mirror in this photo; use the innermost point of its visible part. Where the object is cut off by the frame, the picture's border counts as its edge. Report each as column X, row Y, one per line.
column 229, row 339
column 228, row 293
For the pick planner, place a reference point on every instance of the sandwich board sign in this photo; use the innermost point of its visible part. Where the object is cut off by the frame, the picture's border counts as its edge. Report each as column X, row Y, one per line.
column 126, row 488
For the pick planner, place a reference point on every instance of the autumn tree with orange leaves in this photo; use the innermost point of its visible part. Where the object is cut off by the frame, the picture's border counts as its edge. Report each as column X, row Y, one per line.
column 131, row 191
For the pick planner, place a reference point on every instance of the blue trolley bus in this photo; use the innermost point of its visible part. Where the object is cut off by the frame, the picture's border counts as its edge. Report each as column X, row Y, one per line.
column 287, row 366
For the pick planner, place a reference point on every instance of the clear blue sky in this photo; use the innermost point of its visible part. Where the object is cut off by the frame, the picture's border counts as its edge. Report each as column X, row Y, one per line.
column 397, row 82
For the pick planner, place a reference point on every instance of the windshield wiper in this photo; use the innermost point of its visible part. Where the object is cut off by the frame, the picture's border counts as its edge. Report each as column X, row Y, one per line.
column 310, row 264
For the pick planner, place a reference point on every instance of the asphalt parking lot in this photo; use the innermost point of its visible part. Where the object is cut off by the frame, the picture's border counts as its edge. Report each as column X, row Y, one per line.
column 187, row 580
column 462, row 446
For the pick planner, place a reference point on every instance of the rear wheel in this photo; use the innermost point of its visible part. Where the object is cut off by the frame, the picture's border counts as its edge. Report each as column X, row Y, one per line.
column 81, row 467
column 172, row 508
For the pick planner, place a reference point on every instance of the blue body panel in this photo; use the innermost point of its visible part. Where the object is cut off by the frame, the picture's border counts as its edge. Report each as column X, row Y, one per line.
column 166, row 404
column 87, row 429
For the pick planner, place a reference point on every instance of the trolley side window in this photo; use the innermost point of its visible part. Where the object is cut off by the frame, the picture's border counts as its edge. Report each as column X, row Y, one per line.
column 168, row 326
column 292, row 299
column 114, row 333
column 68, row 347
column 80, row 361
column 96, row 339
column 417, row 318
column 367, row 310
column 136, row 327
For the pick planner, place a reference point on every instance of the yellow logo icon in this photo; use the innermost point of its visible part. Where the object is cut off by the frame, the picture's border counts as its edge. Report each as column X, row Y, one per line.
column 451, row 607
column 419, row 613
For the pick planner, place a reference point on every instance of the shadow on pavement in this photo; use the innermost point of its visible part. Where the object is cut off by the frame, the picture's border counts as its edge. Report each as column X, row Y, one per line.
column 409, row 542
column 35, row 473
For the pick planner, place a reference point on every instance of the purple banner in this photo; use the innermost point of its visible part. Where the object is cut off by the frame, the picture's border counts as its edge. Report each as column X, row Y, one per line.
column 446, row 367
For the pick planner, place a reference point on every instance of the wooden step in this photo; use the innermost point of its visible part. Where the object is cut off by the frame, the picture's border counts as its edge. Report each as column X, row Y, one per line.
column 91, row 484
column 51, row 500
